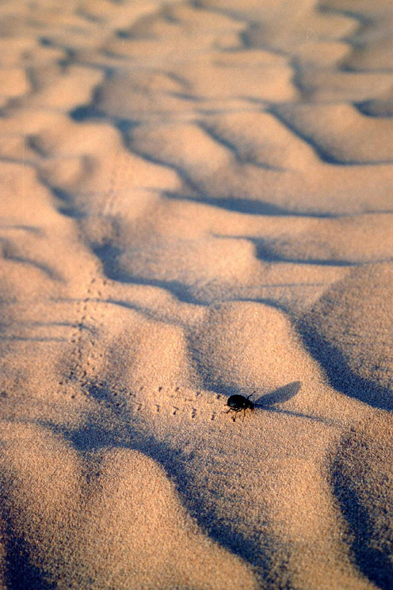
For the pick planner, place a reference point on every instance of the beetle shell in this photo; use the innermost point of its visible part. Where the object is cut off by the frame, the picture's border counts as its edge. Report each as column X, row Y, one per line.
column 238, row 402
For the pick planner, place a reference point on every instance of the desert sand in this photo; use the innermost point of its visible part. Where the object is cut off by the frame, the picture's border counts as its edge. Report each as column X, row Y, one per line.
column 196, row 202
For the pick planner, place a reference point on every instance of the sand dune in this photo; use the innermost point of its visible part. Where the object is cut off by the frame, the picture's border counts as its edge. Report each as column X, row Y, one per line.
column 197, row 201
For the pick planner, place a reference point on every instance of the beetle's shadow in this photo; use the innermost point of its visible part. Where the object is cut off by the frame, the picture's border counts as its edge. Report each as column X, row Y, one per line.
column 283, row 394
column 279, row 396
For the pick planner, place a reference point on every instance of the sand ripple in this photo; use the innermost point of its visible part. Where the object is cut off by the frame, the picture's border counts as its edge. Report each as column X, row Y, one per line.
column 196, row 201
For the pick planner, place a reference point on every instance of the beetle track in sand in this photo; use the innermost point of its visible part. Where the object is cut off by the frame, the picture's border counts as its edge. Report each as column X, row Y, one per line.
column 176, row 404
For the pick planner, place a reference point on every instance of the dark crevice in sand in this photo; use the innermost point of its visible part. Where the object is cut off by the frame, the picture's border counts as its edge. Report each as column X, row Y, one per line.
column 352, row 40
column 9, row 252
column 340, row 376
column 323, row 153
column 70, row 212
column 362, row 19
column 187, row 97
column 33, row 82
column 89, row 18
column 258, row 554
column 252, row 207
column 33, row 143
column 267, row 301
column 268, row 253
column 358, row 70
column 296, row 79
column 70, row 56
column 109, row 253
column 90, row 110
column 376, row 108
column 20, row 572
column 249, row 43
column 53, row 275
column 32, row 229
column 349, row 474
column 230, row 146
column 87, row 112
column 69, row 209
column 232, row 14
column 181, row 173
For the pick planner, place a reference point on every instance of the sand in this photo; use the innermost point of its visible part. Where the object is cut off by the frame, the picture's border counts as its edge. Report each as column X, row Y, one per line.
column 196, row 202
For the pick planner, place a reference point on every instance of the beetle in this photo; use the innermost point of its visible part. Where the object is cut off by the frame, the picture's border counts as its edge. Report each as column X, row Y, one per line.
column 237, row 403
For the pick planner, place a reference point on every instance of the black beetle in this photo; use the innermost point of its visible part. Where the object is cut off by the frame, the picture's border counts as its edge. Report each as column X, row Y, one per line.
column 237, row 403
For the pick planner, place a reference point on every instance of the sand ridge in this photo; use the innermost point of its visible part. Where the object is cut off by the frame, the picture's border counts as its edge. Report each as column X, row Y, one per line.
column 196, row 202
